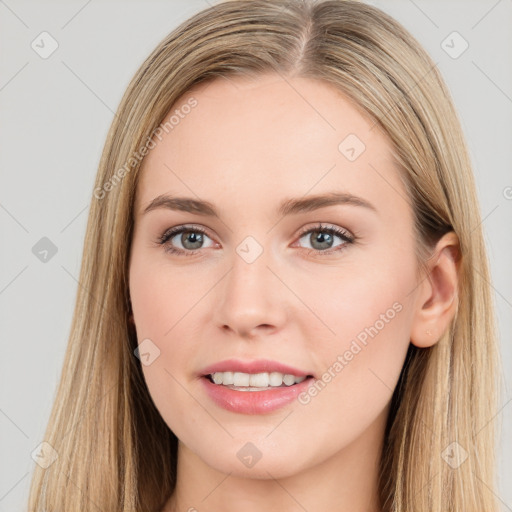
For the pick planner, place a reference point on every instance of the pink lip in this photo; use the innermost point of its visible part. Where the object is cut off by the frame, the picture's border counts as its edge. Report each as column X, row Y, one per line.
column 256, row 366
column 253, row 402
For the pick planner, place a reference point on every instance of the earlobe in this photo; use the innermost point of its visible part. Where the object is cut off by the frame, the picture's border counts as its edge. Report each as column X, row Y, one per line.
column 437, row 298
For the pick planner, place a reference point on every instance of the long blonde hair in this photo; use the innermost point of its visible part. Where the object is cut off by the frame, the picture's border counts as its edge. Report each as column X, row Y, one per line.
column 115, row 452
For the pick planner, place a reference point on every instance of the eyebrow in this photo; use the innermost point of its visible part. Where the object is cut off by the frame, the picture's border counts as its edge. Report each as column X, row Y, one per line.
column 290, row 206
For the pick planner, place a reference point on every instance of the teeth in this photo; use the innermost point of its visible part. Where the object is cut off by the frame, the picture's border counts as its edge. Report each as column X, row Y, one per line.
column 276, row 379
column 289, row 380
column 217, row 378
column 258, row 380
column 255, row 380
column 227, row 378
column 239, row 379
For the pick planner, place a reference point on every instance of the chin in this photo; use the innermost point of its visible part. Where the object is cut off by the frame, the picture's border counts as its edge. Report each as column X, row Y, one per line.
column 257, row 456
column 277, row 465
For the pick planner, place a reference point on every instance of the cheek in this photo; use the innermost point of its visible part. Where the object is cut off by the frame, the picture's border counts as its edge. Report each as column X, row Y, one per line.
column 369, row 314
column 368, row 299
column 166, row 303
column 162, row 297
column 158, row 302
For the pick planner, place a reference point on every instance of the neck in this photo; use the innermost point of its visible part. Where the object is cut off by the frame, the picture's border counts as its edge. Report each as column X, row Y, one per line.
column 347, row 481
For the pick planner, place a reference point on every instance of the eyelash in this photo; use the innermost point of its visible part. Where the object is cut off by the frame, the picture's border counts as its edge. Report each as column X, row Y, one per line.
column 331, row 230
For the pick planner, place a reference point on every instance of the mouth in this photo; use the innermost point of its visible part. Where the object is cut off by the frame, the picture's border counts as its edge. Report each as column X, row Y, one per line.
column 253, row 387
column 258, row 382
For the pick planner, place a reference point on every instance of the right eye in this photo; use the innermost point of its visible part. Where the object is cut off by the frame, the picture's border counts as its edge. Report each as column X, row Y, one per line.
column 191, row 239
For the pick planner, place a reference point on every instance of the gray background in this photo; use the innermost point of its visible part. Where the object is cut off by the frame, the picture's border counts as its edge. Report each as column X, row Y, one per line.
column 55, row 116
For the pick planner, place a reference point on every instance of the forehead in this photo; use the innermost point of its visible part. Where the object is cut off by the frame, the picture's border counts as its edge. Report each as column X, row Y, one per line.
column 260, row 138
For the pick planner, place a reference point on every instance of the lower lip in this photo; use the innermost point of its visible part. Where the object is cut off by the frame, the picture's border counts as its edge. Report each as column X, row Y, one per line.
column 253, row 402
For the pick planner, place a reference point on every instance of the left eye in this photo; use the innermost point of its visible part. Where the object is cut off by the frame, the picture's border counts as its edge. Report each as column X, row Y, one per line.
column 322, row 238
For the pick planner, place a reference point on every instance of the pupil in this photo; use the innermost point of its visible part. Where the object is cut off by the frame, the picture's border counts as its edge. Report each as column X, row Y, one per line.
column 194, row 238
column 321, row 238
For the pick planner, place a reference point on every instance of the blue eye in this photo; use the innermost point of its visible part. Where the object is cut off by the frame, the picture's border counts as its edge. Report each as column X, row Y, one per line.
column 192, row 239
column 323, row 238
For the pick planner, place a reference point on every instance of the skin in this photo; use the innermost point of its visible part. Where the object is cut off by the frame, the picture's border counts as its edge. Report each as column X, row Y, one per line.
column 248, row 145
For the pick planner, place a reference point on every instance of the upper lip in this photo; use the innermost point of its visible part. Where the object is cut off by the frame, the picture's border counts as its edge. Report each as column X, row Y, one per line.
column 254, row 366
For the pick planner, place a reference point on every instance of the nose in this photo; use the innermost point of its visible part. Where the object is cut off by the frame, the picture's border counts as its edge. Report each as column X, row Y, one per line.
column 251, row 300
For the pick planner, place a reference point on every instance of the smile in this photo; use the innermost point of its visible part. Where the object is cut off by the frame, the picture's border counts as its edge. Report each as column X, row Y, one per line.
column 253, row 387
column 255, row 381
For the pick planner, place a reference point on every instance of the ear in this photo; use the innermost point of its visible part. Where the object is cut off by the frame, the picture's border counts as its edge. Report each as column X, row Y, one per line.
column 437, row 299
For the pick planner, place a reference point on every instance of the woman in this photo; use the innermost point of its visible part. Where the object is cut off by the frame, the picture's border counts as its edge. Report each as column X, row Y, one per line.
column 216, row 361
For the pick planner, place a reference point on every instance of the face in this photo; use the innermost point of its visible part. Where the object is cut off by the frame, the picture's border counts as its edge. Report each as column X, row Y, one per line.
column 272, row 242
